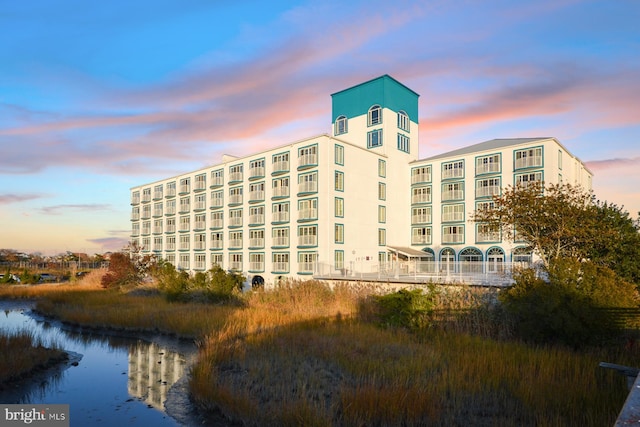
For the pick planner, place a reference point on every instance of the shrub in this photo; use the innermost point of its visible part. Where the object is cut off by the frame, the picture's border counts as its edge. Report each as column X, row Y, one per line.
column 175, row 284
column 568, row 307
column 121, row 272
column 405, row 309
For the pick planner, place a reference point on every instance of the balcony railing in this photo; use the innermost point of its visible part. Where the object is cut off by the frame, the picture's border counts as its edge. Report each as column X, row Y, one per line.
column 307, row 240
column 280, row 267
column 420, row 178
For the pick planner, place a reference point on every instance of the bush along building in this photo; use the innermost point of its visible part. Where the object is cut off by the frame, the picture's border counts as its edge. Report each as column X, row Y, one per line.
column 358, row 203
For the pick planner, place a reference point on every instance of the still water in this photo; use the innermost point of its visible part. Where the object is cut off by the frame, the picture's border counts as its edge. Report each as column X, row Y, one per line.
column 113, row 381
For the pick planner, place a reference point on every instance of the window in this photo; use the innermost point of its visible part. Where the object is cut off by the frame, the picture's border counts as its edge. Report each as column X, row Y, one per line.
column 171, row 244
column 157, row 192
column 217, row 199
column 235, row 240
column 146, row 227
column 184, row 262
column 339, row 154
column 382, row 214
column 382, row 237
column 157, row 209
column 374, row 138
column 308, row 235
column 256, row 262
column 280, row 237
column 171, row 207
column 308, row 209
column 308, row 183
column 531, row 157
column 307, row 262
column 453, row 191
column 403, row 121
column 185, row 223
column 135, row 197
column 146, row 195
column 421, row 215
column 217, row 219
column 522, row 255
column 184, row 242
column 340, row 126
column 185, row 185
column 382, row 168
column 235, row 196
column 421, row 195
column 453, row 170
column 487, row 187
column 280, row 262
column 217, row 240
column 560, row 159
column 421, row 174
column 308, row 156
column 280, row 163
column 471, row 261
column 135, row 229
column 382, row 191
column 339, row 181
column 216, row 259
column 256, row 192
column 171, row 189
column 157, row 226
column 453, row 213
column 157, row 244
column 488, row 164
column 403, row 143
column 217, row 178
column 453, row 234
column 200, row 201
column 201, row 182
column 235, row 218
column 480, row 206
column 171, row 225
column 135, row 213
column 280, row 212
column 200, row 221
column 256, row 168
column 338, row 260
column 235, row 261
column 375, row 115
column 146, row 211
column 421, row 236
column 338, row 210
column 525, row 179
column 280, row 187
column 256, row 215
column 235, row 173
column 486, row 233
column 256, row 239
column 185, row 204
column 200, row 262
column 338, row 232
column 200, row 241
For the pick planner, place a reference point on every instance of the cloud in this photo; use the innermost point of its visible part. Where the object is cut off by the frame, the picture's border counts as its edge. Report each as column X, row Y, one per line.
column 598, row 165
column 110, row 243
column 59, row 209
column 6, row 199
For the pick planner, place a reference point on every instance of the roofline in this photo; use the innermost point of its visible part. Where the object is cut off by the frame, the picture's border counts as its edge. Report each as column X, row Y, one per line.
column 378, row 78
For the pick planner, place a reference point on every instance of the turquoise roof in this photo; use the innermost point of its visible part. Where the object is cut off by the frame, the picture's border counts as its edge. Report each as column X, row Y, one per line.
column 384, row 91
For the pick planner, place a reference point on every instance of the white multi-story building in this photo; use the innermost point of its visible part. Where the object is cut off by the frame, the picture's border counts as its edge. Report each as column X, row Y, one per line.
column 358, row 201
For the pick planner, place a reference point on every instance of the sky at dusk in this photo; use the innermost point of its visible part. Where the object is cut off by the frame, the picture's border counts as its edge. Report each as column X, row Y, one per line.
column 98, row 97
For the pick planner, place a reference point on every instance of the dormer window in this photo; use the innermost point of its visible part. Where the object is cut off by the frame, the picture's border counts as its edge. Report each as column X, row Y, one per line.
column 340, row 125
column 375, row 115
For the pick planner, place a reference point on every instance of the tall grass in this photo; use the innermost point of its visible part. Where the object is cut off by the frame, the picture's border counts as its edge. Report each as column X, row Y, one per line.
column 288, row 358
column 21, row 353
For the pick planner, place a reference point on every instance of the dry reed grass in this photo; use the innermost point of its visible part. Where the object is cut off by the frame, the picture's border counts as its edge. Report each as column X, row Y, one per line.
column 33, row 355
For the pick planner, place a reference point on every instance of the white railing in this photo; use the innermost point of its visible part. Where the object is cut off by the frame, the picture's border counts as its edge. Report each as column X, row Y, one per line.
column 256, row 243
column 235, row 176
column 308, row 159
column 487, row 191
column 453, row 195
column 235, row 199
column 308, row 187
column 282, row 267
column 282, row 191
column 256, row 219
column 235, row 243
column 281, row 241
column 420, row 219
column 308, row 214
column 256, row 172
column 280, row 217
column 487, row 168
column 528, row 162
column 256, row 266
column 256, row 195
column 309, row 240
column 420, row 178
column 281, row 166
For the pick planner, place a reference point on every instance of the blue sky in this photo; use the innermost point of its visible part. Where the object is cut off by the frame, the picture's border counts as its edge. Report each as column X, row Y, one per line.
column 97, row 97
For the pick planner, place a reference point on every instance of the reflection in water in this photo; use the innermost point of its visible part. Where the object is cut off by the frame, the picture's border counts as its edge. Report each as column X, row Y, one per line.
column 114, row 380
column 152, row 371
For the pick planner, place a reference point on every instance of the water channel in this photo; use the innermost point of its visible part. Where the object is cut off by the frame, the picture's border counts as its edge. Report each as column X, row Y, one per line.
column 110, row 380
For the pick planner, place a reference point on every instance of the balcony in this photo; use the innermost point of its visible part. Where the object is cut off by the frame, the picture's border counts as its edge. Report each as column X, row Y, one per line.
column 420, row 240
column 307, row 160
column 281, row 191
column 308, row 214
column 256, row 243
column 420, row 198
column 308, row 240
column 420, row 178
column 528, row 162
column 256, row 219
column 256, row 172
column 280, row 267
column 256, row 196
column 281, row 167
column 308, row 187
column 487, row 191
column 420, row 219
column 453, row 195
column 280, row 217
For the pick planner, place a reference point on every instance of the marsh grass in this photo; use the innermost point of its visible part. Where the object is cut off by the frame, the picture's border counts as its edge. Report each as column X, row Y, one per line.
column 21, row 353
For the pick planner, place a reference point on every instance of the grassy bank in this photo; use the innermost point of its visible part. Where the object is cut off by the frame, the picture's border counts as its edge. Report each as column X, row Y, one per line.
column 305, row 354
column 21, row 354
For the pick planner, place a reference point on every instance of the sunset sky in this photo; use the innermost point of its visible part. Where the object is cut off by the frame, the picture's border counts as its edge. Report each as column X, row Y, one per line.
column 97, row 97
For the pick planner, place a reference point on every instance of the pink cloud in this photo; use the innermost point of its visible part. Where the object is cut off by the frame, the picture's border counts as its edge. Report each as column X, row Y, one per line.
column 6, row 199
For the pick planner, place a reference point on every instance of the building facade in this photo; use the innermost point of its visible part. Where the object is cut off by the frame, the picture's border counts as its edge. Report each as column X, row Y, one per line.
column 358, row 200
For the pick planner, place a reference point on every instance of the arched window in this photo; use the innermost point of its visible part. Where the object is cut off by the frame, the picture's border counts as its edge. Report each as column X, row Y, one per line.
column 340, row 125
column 403, row 121
column 471, row 260
column 447, row 260
column 522, row 255
column 495, row 260
column 427, row 263
column 375, row 115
